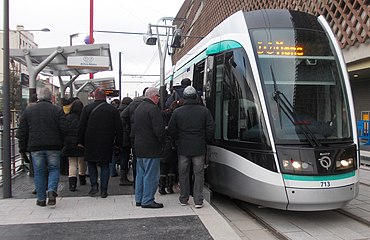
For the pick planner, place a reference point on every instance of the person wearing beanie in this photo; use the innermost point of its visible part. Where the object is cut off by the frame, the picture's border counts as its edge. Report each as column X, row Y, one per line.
column 192, row 126
column 99, row 133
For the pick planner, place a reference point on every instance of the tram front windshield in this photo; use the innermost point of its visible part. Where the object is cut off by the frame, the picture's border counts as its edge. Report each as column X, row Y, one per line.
column 304, row 88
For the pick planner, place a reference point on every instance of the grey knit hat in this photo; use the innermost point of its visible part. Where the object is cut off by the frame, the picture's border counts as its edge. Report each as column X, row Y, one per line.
column 190, row 92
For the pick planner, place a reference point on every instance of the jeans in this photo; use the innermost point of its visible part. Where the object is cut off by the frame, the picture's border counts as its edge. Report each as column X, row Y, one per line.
column 46, row 165
column 184, row 178
column 104, row 174
column 147, row 177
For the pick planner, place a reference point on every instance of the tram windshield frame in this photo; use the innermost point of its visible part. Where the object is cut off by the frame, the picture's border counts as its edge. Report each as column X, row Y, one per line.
column 303, row 86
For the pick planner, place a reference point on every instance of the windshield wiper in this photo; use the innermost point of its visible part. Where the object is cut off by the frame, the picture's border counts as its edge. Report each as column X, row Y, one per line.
column 284, row 104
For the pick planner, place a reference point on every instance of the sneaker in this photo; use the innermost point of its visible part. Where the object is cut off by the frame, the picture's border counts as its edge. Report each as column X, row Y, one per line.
column 184, row 204
column 138, row 204
column 41, row 203
column 153, row 205
column 198, row 205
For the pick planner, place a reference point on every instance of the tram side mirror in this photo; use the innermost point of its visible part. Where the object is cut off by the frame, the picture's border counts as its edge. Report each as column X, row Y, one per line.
column 176, row 38
column 232, row 63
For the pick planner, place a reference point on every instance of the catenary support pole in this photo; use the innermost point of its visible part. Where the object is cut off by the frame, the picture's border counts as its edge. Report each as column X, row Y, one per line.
column 7, row 193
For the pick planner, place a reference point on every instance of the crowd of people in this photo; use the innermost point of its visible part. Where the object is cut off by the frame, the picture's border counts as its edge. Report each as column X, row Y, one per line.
column 163, row 146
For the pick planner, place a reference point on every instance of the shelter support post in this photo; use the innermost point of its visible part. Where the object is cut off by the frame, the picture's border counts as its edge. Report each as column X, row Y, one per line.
column 63, row 86
column 34, row 71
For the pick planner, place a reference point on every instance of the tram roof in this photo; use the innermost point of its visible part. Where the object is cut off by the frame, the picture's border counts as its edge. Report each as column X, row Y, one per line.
column 58, row 65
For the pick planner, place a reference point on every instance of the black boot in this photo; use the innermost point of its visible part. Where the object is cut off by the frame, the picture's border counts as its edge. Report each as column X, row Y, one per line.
column 72, row 183
column 94, row 190
column 162, row 185
column 82, row 179
column 171, row 179
column 52, row 197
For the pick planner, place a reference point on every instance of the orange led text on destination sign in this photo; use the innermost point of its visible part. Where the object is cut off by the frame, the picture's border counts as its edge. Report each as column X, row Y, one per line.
column 278, row 48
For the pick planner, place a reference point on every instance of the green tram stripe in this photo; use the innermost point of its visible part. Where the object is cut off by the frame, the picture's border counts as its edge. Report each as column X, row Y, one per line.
column 212, row 49
column 222, row 46
column 318, row 178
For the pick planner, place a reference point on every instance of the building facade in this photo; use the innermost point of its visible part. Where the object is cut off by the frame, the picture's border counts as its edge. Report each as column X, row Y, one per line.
column 349, row 20
column 19, row 83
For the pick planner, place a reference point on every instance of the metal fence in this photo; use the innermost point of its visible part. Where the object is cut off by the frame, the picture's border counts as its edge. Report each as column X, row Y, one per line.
column 17, row 164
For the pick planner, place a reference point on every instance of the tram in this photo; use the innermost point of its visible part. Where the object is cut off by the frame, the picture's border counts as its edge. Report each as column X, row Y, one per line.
column 277, row 86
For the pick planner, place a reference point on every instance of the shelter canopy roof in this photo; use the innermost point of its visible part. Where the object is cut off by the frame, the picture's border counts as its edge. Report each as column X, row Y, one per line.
column 58, row 65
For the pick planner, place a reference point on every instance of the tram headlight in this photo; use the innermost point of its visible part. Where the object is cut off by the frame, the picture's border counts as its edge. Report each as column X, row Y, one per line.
column 296, row 165
column 344, row 163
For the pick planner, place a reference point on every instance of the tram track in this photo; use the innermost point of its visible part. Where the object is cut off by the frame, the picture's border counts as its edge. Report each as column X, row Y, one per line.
column 353, row 216
column 274, row 231
column 275, row 219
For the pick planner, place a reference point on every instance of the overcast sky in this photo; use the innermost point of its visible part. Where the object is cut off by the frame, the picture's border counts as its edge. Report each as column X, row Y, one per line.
column 67, row 17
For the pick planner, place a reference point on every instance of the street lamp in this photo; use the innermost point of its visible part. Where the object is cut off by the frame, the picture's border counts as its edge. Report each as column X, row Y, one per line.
column 73, row 36
column 150, row 39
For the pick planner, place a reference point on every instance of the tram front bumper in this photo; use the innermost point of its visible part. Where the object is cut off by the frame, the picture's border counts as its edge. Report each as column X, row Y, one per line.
column 308, row 199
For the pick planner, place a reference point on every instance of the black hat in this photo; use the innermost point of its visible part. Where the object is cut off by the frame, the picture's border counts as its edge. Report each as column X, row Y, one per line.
column 186, row 82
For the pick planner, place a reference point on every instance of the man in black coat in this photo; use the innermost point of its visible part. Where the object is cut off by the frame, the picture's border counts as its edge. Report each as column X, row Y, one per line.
column 127, row 118
column 191, row 125
column 149, row 133
column 100, row 132
column 41, row 131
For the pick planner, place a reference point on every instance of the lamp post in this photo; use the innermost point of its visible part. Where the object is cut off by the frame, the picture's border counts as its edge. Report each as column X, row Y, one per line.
column 73, row 36
column 6, row 171
column 149, row 39
column 120, row 75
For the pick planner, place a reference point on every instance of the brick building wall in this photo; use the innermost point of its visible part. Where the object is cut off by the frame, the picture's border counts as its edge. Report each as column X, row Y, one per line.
column 349, row 19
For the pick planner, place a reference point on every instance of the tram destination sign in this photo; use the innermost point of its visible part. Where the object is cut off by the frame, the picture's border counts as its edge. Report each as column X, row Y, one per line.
column 88, row 62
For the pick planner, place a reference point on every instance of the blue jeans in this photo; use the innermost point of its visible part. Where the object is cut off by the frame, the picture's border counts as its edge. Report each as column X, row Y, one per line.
column 46, row 160
column 147, row 177
column 184, row 178
column 104, row 174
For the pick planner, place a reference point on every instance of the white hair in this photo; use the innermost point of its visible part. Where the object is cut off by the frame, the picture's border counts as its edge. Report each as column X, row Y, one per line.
column 44, row 94
column 151, row 91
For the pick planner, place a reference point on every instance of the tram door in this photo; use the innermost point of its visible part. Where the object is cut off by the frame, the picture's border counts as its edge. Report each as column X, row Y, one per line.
column 198, row 79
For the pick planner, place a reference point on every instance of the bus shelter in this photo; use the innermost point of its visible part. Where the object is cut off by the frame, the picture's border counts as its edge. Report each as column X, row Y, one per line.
column 71, row 61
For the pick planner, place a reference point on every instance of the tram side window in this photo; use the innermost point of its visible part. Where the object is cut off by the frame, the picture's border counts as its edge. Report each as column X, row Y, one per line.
column 235, row 100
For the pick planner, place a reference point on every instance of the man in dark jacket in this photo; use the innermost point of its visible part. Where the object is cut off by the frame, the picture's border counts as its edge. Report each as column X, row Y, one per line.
column 127, row 117
column 149, row 132
column 100, row 132
column 177, row 92
column 192, row 126
column 40, row 132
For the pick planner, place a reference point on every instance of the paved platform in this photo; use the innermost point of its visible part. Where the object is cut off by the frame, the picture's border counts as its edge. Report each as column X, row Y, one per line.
column 115, row 217
column 78, row 216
